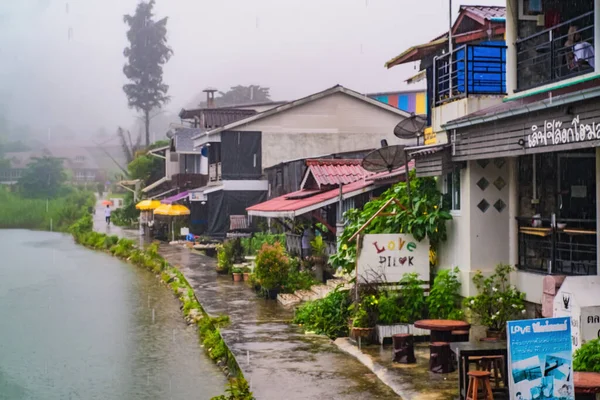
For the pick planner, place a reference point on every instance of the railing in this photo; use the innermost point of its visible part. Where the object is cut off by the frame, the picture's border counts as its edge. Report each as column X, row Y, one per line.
column 214, row 172
column 567, row 247
column 470, row 69
column 555, row 54
column 188, row 181
column 294, row 245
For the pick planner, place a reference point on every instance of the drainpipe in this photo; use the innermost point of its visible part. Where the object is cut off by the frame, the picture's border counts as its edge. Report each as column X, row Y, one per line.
column 450, row 48
column 339, row 226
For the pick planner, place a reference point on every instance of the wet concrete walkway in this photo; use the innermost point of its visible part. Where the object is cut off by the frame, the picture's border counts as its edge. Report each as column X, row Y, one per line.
column 276, row 357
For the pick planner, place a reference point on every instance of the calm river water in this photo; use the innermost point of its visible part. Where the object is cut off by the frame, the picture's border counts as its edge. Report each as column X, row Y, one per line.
column 79, row 324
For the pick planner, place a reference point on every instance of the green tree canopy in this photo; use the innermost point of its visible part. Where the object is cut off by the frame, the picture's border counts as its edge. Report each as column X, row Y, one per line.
column 146, row 54
column 43, row 178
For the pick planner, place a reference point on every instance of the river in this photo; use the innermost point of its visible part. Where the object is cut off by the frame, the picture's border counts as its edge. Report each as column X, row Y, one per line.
column 80, row 324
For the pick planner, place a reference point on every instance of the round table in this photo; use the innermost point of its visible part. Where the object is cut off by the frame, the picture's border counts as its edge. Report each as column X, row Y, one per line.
column 441, row 329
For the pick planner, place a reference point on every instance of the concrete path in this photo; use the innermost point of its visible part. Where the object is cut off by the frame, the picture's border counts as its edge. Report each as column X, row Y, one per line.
column 278, row 360
column 101, row 226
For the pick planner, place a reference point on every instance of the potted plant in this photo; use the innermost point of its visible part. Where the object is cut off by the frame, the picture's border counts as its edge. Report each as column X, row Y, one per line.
column 364, row 317
column 496, row 302
column 246, row 273
column 237, row 274
column 272, row 267
column 224, row 259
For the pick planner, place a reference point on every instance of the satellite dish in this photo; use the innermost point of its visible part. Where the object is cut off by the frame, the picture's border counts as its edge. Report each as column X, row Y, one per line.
column 386, row 158
column 410, row 127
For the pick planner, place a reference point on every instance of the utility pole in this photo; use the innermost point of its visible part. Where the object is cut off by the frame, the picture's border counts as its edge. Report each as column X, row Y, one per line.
column 450, row 48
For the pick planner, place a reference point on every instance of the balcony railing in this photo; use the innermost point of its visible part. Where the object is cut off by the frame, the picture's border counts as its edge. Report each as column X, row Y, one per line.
column 470, row 69
column 214, row 173
column 567, row 248
column 556, row 53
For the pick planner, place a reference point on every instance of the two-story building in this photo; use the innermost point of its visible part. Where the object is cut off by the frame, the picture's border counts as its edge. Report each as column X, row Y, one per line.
column 527, row 177
column 335, row 120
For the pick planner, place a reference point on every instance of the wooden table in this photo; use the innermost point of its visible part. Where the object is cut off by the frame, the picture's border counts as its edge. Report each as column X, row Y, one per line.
column 441, row 329
column 466, row 350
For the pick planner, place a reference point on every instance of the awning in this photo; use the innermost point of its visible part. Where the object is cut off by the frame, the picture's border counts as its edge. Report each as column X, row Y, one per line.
column 177, row 197
column 295, row 204
column 172, row 210
column 199, row 194
column 418, row 77
column 416, row 53
column 154, row 185
column 423, row 151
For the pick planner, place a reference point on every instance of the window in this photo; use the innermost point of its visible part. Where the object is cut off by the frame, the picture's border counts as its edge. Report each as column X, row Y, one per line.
column 452, row 189
column 279, row 178
column 80, row 175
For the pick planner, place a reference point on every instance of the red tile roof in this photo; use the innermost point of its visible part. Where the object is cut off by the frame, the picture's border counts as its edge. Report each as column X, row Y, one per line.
column 290, row 205
column 332, row 172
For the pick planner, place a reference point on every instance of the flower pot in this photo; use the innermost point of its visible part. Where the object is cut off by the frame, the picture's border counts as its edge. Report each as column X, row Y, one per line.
column 496, row 334
column 246, row 276
column 237, row 277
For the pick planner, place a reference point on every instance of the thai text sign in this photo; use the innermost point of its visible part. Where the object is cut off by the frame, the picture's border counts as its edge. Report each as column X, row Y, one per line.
column 540, row 355
column 555, row 133
column 387, row 257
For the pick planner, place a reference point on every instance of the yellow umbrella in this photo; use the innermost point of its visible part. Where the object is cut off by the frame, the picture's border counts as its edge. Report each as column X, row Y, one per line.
column 172, row 210
column 146, row 205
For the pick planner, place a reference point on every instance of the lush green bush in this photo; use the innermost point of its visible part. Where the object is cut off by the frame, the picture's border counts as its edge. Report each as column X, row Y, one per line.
column 497, row 301
column 225, row 257
column 444, row 301
column 412, row 298
column 424, row 219
column 253, row 244
column 587, row 357
column 327, row 316
column 298, row 278
column 126, row 215
column 389, row 308
column 272, row 266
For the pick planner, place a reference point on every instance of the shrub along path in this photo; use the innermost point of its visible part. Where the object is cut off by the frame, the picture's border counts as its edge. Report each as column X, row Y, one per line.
column 277, row 359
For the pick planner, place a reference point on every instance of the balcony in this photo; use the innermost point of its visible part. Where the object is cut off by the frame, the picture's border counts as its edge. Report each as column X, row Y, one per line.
column 214, row 173
column 567, row 248
column 188, row 181
column 561, row 52
column 470, row 70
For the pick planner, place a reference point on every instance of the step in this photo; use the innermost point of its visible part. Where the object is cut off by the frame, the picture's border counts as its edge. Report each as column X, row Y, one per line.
column 287, row 299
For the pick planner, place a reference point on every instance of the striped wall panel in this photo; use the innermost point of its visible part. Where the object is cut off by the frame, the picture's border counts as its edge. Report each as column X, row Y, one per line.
column 414, row 102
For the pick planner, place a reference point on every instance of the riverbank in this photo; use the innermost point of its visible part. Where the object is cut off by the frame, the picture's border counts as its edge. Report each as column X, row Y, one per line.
column 209, row 326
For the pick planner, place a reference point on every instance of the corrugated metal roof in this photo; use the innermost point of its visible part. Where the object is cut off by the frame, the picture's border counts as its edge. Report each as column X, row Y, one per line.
column 335, row 172
column 396, row 174
column 485, row 12
column 290, row 205
column 427, row 151
column 238, row 222
column 216, row 117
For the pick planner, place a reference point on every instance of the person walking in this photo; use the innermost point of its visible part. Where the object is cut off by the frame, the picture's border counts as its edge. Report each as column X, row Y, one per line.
column 107, row 214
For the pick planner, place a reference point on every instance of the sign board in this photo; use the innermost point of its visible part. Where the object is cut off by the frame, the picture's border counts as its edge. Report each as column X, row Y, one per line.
column 590, row 323
column 429, row 136
column 387, row 257
column 197, row 196
column 552, row 133
column 540, row 360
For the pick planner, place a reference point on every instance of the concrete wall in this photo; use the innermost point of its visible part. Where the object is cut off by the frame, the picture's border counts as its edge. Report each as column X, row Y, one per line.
column 440, row 115
column 333, row 124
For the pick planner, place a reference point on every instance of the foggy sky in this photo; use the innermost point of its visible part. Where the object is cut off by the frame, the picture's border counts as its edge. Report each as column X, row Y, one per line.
column 295, row 47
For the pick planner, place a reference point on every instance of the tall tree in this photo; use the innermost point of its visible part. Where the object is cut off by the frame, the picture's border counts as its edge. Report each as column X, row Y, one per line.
column 146, row 54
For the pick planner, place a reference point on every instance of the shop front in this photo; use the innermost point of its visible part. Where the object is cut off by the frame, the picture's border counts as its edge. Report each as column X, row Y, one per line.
column 551, row 184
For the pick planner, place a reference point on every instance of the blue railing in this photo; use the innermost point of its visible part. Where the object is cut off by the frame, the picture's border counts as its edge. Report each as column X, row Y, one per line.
column 470, row 69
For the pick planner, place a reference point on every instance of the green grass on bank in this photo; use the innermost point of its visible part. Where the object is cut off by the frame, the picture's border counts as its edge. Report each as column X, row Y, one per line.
column 56, row 214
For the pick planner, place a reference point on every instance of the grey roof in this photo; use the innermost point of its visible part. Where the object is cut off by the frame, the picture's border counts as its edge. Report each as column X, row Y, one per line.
column 21, row 159
column 74, row 157
column 182, row 140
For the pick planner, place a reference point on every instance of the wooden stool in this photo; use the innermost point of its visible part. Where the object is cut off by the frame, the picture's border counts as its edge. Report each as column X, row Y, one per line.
column 440, row 358
column 495, row 365
column 460, row 336
column 479, row 380
column 404, row 349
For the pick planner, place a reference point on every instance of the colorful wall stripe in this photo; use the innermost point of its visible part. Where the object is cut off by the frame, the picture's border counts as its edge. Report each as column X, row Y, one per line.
column 413, row 102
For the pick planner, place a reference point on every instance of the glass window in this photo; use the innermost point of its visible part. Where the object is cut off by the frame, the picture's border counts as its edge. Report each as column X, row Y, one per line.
column 453, row 189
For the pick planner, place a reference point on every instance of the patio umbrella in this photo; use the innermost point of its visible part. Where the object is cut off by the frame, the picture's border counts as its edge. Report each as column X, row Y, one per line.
column 172, row 210
column 146, row 205
column 107, row 203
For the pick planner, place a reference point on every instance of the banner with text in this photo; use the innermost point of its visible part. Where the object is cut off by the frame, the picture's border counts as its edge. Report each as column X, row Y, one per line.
column 387, row 257
column 540, row 357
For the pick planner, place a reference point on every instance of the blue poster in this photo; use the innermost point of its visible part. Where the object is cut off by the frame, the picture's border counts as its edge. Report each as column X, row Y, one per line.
column 540, row 359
